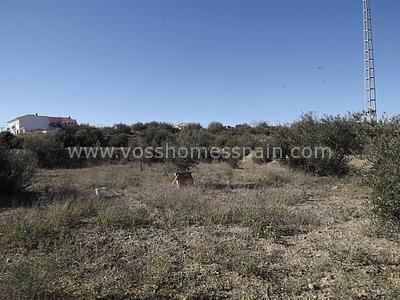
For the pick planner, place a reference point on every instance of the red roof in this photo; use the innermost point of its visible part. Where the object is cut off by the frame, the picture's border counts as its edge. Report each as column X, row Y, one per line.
column 63, row 119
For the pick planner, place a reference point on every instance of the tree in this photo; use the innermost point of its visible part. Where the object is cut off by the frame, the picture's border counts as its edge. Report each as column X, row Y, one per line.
column 190, row 147
column 138, row 127
column 215, row 127
column 82, row 135
column 262, row 128
column 119, row 140
column 122, row 128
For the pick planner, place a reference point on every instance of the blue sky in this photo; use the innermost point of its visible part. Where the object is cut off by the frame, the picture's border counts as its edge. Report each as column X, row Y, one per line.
column 233, row 61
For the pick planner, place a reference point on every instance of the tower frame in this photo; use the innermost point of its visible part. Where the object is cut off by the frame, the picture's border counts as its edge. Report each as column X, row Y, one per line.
column 369, row 63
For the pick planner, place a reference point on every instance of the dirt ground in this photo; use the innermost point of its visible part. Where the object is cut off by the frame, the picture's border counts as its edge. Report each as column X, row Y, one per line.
column 257, row 232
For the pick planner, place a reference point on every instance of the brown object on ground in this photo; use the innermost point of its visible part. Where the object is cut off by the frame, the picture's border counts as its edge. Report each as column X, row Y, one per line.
column 183, row 179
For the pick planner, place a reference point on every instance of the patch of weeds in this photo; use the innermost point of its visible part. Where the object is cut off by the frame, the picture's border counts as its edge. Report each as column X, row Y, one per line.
column 268, row 232
column 204, row 292
column 296, row 199
column 123, row 183
column 31, row 235
column 230, row 216
column 387, row 230
column 157, row 268
column 20, row 279
column 82, row 209
column 276, row 176
column 249, row 267
column 393, row 293
column 123, row 216
column 187, row 217
column 250, row 297
column 274, row 222
column 41, row 227
column 357, row 256
column 277, row 180
column 362, row 257
column 206, row 256
column 36, row 276
column 64, row 191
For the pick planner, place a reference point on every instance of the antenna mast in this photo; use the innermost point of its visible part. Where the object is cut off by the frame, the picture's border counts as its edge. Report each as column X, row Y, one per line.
column 369, row 64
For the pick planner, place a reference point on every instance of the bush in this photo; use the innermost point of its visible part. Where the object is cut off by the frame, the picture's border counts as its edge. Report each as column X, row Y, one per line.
column 191, row 140
column 385, row 181
column 119, row 140
column 47, row 148
column 215, row 127
column 8, row 140
column 138, row 127
column 316, row 135
column 343, row 134
column 263, row 128
column 82, row 135
column 16, row 170
column 122, row 128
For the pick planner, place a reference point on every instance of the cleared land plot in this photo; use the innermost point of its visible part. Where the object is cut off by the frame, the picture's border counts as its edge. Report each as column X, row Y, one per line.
column 259, row 232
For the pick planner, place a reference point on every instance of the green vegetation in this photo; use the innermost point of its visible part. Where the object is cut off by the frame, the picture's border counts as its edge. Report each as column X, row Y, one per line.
column 385, row 156
column 16, row 170
column 256, row 228
column 345, row 136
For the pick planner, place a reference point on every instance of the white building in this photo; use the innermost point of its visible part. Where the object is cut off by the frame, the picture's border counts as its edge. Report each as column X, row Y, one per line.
column 30, row 123
column 182, row 125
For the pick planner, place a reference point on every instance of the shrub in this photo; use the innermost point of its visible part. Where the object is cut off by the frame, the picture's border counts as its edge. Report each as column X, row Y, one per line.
column 82, row 135
column 119, row 140
column 262, row 128
column 315, row 135
column 16, row 170
column 122, row 128
column 385, row 181
column 215, row 127
column 189, row 139
column 343, row 134
column 8, row 140
column 155, row 136
column 138, row 127
column 47, row 148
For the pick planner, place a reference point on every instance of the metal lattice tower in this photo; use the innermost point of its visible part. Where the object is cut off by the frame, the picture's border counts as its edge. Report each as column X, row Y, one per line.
column 369, row 64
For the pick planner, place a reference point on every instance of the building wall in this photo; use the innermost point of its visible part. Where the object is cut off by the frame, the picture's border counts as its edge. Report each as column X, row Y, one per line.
column 29, row 123
column 13, row 127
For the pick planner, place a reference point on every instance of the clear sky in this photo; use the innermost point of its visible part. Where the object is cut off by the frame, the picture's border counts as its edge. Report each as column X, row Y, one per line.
column 233, row 61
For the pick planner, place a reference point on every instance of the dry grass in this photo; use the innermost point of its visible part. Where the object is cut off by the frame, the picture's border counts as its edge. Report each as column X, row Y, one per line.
column 258, row 232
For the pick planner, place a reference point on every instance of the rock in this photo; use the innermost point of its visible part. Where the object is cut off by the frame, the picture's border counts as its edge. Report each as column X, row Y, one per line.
column 100, row 191
column 313, row 286
column 362, row 295
column 325, row 281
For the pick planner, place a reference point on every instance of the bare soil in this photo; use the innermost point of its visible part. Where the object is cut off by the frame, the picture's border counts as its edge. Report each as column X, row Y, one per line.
column 287, row 236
